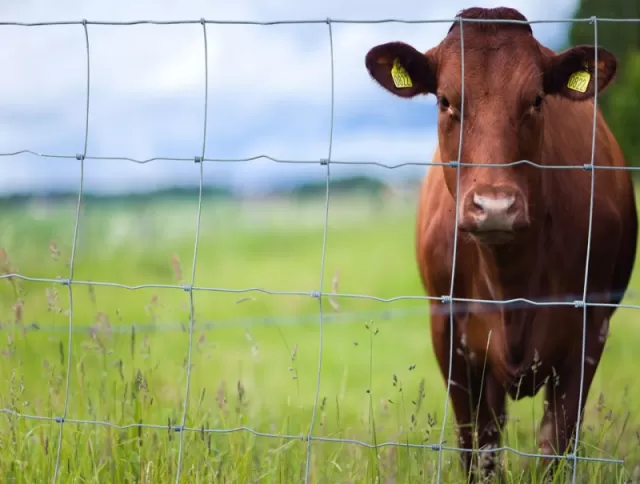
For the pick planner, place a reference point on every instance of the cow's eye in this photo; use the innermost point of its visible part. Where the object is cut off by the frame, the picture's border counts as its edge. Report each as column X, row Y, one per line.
column 537, row 102
column 444, row 102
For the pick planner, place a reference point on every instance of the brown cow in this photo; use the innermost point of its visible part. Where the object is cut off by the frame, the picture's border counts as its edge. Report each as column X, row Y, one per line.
column 522, row 230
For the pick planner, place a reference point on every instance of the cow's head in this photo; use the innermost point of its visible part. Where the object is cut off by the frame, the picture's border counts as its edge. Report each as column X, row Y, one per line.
column 508, row 77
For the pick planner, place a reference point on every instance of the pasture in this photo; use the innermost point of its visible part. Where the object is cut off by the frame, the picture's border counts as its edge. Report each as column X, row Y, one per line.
column 255, row 355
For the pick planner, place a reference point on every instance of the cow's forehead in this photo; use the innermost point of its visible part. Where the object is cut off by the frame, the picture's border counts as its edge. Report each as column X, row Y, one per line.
column 493, row 45
column 502, row 58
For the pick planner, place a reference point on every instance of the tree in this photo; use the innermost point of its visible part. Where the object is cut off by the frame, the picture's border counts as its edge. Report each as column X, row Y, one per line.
column 620, row 104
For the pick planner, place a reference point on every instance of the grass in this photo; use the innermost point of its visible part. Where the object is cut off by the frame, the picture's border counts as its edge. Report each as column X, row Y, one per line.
column 255, row 355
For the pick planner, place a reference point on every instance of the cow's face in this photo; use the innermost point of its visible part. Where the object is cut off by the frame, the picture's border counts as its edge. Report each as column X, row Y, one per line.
column 508, row 76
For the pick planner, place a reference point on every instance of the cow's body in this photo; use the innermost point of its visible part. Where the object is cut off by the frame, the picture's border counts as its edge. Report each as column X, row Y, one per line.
column 547, row 266
column 500, row 350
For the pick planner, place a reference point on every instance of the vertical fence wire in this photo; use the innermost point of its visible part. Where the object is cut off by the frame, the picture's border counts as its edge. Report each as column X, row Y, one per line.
column 81, row 158
column 327, row 163
column 454, row 258
column 586, row 309
column 194, row 263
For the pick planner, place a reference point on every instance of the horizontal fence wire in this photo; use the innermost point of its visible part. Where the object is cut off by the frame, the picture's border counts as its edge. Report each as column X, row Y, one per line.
column 573, row 300
column 454, row 304
column 337, row 317
column 326, row 20
column 452, row 164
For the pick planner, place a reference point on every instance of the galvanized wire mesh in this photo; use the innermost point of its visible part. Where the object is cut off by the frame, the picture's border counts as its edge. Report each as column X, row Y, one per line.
column 453, row 302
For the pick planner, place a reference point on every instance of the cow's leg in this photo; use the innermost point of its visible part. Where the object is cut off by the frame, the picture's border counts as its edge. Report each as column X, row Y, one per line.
column 467, row 382
column 461, row 393
column 560, row 419
column 489, row 420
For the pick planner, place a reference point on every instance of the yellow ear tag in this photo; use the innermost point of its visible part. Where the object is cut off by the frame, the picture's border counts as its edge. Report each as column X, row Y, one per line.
column 579, row 81
column 400, row 76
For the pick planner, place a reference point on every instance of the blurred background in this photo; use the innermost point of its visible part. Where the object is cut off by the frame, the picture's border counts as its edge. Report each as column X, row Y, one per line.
column 254, row 357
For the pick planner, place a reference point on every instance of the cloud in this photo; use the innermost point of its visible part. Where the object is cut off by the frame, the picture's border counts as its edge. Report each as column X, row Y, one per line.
column 269, row 90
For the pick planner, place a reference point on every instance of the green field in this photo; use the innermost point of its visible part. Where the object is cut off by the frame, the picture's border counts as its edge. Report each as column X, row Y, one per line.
column 255, row 355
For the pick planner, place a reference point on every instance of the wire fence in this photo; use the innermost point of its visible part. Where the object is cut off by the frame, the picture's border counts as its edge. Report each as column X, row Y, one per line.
column 338, row 317
column 454, row 303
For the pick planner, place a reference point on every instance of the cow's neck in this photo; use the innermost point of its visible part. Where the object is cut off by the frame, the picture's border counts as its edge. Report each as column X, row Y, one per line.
column 523, row 256
column 517, row 268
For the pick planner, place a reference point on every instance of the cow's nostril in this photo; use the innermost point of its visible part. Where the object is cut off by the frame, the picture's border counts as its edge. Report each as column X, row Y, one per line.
column 477, row 202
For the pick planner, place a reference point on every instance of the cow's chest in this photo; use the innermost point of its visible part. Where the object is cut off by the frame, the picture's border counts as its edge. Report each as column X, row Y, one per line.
column 522, row 342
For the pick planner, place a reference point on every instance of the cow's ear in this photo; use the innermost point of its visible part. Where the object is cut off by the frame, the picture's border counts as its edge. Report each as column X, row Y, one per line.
column 572, row 73
column 401, row 69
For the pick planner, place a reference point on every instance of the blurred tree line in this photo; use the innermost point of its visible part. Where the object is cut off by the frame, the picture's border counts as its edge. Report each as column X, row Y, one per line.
column 620, row 104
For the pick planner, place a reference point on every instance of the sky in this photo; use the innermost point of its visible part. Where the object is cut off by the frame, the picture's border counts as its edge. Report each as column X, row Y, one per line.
column 269, row 91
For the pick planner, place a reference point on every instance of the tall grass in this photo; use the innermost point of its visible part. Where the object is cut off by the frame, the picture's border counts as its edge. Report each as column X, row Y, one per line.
column 255, row 355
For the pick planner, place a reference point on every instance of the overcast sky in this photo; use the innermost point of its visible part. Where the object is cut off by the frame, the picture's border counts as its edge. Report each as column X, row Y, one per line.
column 269, row 90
